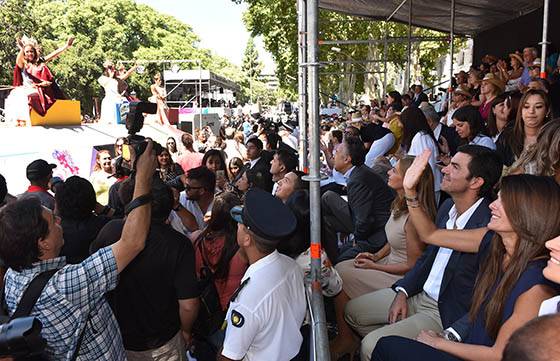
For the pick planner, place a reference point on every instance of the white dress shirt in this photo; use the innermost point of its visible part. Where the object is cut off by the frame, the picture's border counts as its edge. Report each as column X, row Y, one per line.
column 455, row 221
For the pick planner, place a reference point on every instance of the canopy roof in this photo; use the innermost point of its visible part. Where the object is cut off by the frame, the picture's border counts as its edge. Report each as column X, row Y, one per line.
column 471, row 16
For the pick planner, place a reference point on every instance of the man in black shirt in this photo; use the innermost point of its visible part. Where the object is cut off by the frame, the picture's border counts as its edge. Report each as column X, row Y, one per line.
column 157, row 295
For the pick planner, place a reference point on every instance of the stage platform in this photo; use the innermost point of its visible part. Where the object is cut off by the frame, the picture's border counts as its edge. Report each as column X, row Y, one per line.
column 71, row 148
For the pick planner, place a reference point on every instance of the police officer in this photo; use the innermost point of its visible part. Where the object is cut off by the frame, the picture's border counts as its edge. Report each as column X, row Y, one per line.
column 267, row 311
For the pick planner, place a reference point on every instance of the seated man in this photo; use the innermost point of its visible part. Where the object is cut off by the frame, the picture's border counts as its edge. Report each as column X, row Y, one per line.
column 156, row 300
column 77, row 320
column 267, row 311
column 437, row 292
column 367, row 209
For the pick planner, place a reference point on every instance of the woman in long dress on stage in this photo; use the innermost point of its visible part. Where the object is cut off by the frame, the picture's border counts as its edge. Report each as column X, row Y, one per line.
column 112, row 97
column 158, row 96
column 34, row 84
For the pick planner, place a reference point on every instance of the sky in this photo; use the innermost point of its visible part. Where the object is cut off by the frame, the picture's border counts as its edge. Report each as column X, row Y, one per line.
column 219, row 25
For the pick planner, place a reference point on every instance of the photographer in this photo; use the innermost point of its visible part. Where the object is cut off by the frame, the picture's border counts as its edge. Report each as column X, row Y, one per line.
column 76, row 318
column 156, row 300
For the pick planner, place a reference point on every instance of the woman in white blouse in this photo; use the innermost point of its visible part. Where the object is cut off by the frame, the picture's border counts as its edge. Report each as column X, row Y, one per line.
column 418, row 136
column 470, row 127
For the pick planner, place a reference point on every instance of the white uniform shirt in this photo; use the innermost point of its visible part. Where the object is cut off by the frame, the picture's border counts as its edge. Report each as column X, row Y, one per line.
column 263, row 322
column 423, row 141
column 433, row 282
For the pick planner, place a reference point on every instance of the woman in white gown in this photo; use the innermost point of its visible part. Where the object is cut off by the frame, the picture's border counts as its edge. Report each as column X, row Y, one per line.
column 112, row 97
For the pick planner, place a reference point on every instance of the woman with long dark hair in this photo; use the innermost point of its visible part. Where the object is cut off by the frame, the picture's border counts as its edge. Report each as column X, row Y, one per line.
column 167, row 168
column 369, row 272
column 215, row 161
column 503, row 112
column 470, row 127
column 510, row 286
column 417, row 136
column 533, row 113
column 216, row 247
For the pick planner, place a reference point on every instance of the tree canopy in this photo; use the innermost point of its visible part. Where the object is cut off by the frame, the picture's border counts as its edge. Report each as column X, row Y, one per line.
column 276, row 21
column 104, row 29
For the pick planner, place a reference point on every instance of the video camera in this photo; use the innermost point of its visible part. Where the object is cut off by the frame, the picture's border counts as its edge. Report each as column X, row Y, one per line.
column 134, row 123
column 21, row 337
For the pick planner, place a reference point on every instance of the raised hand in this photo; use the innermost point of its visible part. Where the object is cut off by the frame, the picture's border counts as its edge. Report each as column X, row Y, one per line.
column 414, row 172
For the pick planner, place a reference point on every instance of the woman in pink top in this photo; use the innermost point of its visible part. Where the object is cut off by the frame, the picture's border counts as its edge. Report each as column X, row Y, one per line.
column 216, row 247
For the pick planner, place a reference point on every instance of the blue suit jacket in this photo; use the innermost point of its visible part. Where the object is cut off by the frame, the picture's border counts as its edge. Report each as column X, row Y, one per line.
column 457, row 285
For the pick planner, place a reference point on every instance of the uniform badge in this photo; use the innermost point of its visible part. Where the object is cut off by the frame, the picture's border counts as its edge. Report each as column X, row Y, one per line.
column 237, row 319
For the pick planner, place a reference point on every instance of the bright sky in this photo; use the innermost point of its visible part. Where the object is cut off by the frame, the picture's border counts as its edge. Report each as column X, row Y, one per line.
column 219, row 25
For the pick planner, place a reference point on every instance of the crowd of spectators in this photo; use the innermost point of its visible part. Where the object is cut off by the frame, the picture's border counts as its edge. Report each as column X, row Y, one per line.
column 436, row 227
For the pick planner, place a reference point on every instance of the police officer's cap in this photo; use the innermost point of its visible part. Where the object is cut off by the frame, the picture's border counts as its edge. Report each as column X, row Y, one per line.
column 265, row 215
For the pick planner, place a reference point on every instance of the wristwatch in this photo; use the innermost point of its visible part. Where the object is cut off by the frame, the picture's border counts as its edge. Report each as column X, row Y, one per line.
column 449, row 336
column 176, row 209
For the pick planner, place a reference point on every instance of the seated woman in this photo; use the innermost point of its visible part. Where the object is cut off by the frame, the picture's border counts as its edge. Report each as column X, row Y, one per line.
column 533, row 113
column 35, row 86
column 370, row 272
column 502, row 113
column 417, row 136
column 470, row 127
column 167, row 168
column 216, row 248
column 543, row 157
column 510, row 285
column 215, row 161
column 291, row 183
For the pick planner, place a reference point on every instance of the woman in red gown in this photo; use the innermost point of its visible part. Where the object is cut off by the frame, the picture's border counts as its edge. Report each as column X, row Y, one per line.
column 32, row 78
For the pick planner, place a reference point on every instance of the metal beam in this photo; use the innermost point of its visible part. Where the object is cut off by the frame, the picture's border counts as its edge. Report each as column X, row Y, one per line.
column 302, row 84
column 320, row 338
column 351, row 62
column 395, row 39
column 396, row 10
column 544, row 42
column 408, row 48
column 350, row 73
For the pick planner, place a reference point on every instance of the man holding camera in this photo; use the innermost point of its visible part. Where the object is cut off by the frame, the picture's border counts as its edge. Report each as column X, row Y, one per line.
column 76, row 318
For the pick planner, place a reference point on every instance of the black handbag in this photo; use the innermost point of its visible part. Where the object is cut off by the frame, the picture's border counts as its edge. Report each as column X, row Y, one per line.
column 210, row 314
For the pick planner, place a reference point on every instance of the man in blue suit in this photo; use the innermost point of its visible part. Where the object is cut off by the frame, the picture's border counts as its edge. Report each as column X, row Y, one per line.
column 437, row 292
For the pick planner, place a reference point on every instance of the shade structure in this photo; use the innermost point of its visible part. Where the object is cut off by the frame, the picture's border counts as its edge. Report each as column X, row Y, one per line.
column 472, row 16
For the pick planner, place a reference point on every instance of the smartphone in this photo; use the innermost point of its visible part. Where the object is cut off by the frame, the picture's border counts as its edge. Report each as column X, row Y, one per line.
column 220, row 173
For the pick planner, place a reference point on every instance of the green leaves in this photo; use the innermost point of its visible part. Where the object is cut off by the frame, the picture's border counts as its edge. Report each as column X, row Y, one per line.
column 104, row 29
